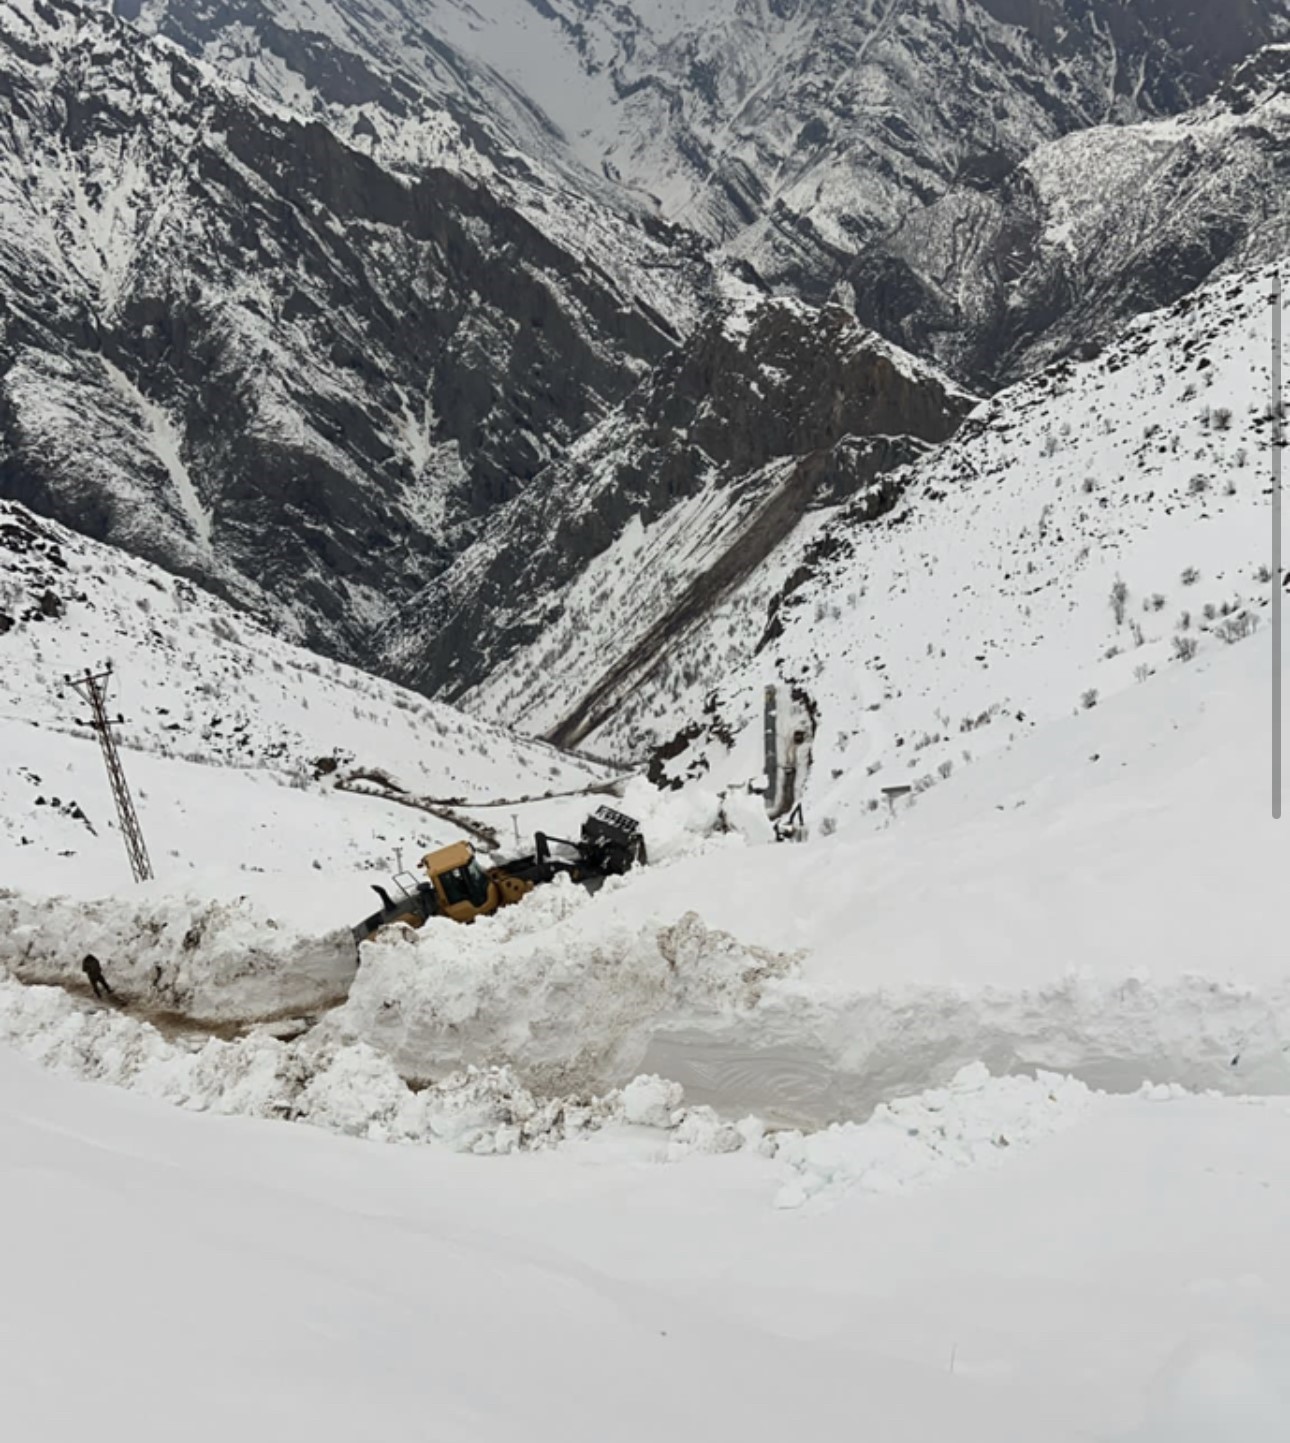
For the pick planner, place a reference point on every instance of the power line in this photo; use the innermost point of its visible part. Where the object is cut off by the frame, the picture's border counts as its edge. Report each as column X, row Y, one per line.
column 92, row 687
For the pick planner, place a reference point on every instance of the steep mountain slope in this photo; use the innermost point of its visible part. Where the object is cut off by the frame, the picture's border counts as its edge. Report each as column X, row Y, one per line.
column 1089, row 231
column 986, row 600
column 250, row 752
column 771, row 411
column 802, row 129
column 234, row 345
column 943, row 165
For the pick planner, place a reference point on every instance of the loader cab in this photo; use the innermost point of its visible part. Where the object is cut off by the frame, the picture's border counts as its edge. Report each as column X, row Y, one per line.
column 463, row 889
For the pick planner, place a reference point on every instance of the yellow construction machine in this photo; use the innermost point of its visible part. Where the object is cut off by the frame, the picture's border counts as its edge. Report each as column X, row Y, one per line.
column 456, row 885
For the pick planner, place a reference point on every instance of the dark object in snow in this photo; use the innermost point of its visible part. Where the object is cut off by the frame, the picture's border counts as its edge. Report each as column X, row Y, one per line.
column 456, row 886
column 93, row 970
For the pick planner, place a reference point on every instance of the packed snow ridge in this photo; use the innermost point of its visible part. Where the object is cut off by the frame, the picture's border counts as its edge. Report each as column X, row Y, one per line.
column 352, row 1088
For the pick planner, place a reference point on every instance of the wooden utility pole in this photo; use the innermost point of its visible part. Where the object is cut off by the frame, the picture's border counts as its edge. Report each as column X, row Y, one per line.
column 93, row 688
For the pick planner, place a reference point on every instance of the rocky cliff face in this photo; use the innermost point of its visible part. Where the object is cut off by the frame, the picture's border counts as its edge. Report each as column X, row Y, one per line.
column 771, row 410
column 1089, row 231
column 239, row 347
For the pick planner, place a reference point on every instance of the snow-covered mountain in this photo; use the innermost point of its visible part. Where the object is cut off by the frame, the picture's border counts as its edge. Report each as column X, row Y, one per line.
column 236, row 345
column 772, row 411
column 802, row 129
column 981, row 600
column 296, row 313
column 897, row 149
column 1089, row 231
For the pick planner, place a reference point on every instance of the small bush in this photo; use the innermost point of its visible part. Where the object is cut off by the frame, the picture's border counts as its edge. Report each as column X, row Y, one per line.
column 1119, row 599
column 1089, row 700
column 1236, row 628
column 1185, row 647
column 1190, row 576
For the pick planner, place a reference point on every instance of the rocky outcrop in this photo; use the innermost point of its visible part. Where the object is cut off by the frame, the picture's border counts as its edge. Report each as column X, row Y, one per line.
column 997, row 280
column 237, row 346
column 764, row 414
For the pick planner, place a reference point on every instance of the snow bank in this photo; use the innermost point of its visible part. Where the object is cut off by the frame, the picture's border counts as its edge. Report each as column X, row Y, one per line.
column 211, row 961
column 343, row 1087
column 916, row 1141
column 555, row 988
column 581, row 994
column 351, row 1088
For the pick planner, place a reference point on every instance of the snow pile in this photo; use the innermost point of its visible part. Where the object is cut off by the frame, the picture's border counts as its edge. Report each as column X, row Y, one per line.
column 678, row 824
column 210, row 961
column 556, row 988
column 343, row 1087
column 916, row 1141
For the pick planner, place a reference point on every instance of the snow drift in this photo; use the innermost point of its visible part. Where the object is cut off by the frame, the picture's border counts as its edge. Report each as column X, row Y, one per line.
column 207, row 961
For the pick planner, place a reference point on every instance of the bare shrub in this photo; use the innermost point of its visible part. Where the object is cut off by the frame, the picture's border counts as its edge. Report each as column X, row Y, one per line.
column 1236, row 628
column 1119, row 599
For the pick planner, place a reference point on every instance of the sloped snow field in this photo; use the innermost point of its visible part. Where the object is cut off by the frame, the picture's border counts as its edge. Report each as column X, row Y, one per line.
column 1097, row 524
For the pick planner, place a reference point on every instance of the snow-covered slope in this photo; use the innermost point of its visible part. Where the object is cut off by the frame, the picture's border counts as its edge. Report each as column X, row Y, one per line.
column 240, row 744
column 591, row 579
column 985, row 602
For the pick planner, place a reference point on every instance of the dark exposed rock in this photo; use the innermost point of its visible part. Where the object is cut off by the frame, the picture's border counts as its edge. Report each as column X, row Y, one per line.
column 798, row 409
column 1055, row 257
column 290, row 374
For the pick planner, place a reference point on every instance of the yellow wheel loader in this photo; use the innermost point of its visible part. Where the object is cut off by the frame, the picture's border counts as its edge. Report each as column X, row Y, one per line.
column 456, row 885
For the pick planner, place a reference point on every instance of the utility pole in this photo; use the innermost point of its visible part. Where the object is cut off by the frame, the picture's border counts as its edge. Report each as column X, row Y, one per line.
column 93, row 688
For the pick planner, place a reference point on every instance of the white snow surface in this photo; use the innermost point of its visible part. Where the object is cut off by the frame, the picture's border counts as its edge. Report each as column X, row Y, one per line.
column 1124, row 1278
